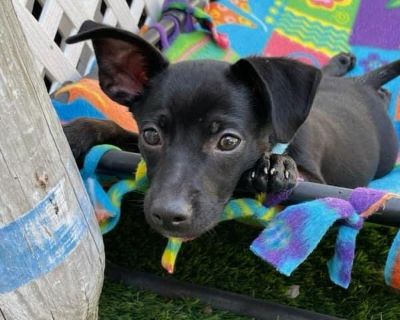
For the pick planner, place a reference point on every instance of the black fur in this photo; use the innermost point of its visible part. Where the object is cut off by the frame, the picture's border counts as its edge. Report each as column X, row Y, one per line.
column 339, row 134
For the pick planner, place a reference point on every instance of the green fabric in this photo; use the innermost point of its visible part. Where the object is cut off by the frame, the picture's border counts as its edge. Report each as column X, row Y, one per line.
column 197, row 45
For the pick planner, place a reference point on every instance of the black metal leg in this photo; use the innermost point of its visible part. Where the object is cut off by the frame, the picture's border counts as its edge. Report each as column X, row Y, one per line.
column 220, row 299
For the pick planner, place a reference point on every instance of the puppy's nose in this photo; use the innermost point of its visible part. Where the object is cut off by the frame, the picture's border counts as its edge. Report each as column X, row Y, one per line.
column 174, row 214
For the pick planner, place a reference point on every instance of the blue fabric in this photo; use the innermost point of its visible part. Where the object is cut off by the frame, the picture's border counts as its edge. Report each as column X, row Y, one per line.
column 76, row 109
column 98, row 196
column 390, row 182
column 391, row 263
column 340, row 265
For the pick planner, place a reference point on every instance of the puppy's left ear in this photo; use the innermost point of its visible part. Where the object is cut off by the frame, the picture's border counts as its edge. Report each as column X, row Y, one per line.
column 286, row 89
column 126, row 61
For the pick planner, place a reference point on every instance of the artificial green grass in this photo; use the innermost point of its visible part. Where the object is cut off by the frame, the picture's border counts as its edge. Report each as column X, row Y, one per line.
column 221, row 259
column 119, row 302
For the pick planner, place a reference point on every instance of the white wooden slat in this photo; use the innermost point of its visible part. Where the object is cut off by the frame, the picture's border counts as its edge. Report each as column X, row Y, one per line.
column 75, row 11
column 153, row 8
column 65, row 26
column 73, row 53
column 91, row 6
column 123, row 14
column 51, row 21
column 109, row 18
column 77, row 14
column 44, row 48
column 60, row 64
column 137, row 8
column 51, row 17
column 28, row 4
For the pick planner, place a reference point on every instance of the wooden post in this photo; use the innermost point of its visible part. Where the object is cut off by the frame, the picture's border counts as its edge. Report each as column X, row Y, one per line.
column 51, row 249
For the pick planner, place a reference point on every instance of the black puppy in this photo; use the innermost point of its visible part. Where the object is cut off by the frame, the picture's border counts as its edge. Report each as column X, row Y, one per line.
column 205, row 124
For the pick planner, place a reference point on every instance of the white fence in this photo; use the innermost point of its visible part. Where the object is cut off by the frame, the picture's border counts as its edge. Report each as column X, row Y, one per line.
column 47, row 23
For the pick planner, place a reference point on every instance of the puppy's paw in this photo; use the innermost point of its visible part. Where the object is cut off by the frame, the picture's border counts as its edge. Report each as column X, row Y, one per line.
column 282, row 173
column 274, row 173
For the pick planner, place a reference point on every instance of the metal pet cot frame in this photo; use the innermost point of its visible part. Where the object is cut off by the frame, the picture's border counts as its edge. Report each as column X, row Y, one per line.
column 58, row 63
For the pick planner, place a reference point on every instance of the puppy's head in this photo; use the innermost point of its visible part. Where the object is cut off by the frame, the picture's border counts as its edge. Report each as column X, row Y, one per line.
column 202, row 123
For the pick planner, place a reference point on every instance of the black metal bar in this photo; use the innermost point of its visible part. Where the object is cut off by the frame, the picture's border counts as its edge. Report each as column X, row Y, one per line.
column 115, row 162
column 389, row 215
column 121, row 162
column 220, row 299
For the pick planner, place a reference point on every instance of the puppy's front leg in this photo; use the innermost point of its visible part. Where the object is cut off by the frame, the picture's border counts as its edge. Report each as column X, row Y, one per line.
column 273, row 173
column 84, row 133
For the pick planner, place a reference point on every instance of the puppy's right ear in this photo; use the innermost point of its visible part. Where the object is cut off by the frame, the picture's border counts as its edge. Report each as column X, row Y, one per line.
column 126, row 61
column 286, row 88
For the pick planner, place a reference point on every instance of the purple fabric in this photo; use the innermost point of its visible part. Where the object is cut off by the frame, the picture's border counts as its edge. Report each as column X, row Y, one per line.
column 339, row 205
column 176, row 31
column 341, row 264
column 296, row 231
column 163, row 34
column 276, row 198
column 188, row 25
column 376, row 25
column 362, row 198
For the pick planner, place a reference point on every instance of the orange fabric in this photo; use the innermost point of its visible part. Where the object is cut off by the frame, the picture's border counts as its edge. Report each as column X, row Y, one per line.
column 396, row 273
column 377, row 205
column 90, row 90
column 221, row 14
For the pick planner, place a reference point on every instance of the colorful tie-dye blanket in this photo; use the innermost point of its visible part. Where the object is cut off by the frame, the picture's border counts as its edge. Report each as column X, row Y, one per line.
column 309, row 30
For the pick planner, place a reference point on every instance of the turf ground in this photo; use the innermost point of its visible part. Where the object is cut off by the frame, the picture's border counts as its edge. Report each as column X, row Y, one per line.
column 221, row 259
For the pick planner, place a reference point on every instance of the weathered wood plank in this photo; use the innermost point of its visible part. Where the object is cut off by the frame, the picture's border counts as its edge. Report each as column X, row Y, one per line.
column 37, row 167
column 2, row 316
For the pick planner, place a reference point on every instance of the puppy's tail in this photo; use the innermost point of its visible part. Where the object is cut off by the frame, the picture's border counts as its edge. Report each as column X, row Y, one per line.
column 380, row 76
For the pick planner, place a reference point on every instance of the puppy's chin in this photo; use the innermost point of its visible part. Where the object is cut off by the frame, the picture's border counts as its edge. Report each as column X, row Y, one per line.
column 189, row 233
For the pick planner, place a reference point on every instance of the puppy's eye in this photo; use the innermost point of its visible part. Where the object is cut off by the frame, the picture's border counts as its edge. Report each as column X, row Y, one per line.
column 228, row 142
column 151, row 137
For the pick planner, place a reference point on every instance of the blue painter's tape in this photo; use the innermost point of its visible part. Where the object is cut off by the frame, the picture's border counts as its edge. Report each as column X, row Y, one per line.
column 39, row 240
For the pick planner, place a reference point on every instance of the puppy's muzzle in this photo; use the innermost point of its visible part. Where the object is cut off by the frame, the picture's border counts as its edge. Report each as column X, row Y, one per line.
column 171, row 215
